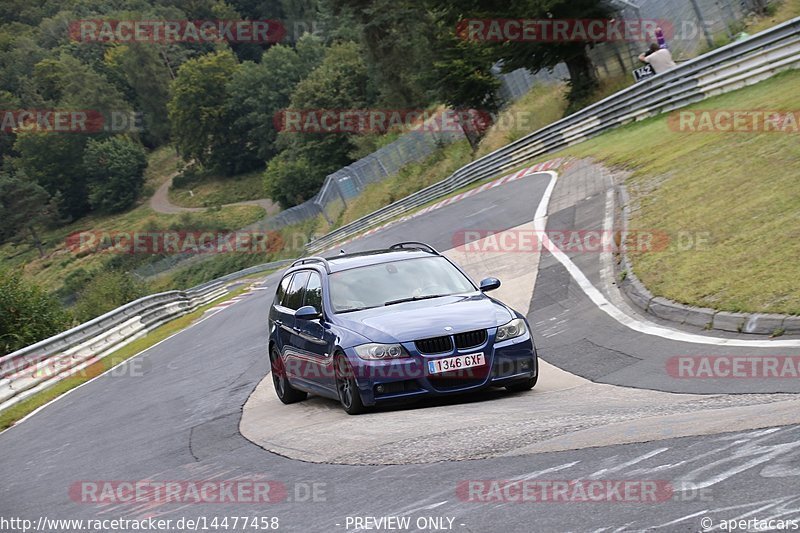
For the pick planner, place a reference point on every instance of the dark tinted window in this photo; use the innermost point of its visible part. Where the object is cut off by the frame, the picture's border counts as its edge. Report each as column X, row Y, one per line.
column 296, row 291
column 314, row 291
column 282, row 289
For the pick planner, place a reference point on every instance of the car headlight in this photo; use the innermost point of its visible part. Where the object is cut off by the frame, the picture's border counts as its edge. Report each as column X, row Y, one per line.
column 381, row 351
column 512, row 330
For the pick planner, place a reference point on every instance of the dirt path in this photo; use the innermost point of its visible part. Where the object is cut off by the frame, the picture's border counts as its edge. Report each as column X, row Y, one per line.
column 160, row 203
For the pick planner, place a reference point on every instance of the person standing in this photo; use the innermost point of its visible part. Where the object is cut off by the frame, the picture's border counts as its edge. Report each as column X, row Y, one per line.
column 659, row 58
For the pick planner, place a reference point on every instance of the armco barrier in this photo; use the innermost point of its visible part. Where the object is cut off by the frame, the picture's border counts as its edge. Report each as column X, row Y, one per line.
column 725, row 69
column 41, row 365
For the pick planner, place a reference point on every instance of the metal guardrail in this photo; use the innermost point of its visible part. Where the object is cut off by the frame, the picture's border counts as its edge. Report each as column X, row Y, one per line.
column 41, row 365
column 725, row 69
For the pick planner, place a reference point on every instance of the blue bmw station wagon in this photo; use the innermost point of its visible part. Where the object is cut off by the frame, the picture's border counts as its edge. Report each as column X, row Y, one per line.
column 390, row 325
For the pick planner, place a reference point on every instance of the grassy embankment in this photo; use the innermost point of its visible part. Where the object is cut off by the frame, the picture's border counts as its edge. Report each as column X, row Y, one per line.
column 209, row 191
column 740, row 188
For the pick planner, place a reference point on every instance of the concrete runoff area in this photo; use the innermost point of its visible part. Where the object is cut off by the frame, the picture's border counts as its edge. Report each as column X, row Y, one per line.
column 563, row 412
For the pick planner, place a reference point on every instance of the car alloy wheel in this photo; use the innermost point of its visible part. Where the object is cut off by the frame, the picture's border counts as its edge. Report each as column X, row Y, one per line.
column 347, row 388
column 283, row 389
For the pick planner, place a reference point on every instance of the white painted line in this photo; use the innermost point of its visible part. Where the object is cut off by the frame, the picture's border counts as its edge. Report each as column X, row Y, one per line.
column 642, row 326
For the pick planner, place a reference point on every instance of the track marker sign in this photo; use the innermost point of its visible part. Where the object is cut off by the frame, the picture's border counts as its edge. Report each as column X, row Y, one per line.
column 643, row 73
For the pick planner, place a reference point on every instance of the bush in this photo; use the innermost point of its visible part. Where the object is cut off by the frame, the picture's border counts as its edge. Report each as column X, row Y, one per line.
column 27, row 313
column 115, row 168
column 106, row 291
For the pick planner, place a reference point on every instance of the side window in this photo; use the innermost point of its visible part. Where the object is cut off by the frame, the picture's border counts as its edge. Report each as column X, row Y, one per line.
column 296, row 291
column 282, row 290
column 314, row 291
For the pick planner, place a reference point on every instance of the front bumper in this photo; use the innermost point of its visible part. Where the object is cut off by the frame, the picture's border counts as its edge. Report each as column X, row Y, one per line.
column 507, row 362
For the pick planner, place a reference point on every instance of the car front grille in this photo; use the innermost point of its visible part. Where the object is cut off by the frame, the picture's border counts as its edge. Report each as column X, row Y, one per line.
column 470, row 339
column 444, row 344
column 435, row 345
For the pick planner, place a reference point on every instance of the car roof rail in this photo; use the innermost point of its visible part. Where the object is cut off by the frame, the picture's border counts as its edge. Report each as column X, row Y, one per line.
column 314, row 259
column 414, row 245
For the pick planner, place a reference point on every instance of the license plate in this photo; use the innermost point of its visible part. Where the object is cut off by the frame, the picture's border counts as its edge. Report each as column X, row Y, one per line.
column 456, row 363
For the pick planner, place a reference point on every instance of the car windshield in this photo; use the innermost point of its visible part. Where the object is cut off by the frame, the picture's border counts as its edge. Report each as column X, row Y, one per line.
column 396, row 282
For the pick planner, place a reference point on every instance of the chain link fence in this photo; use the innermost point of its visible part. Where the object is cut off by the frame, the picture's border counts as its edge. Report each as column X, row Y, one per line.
column 698, row 25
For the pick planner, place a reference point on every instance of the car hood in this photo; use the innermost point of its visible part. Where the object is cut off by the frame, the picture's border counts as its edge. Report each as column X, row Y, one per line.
column 427, row 318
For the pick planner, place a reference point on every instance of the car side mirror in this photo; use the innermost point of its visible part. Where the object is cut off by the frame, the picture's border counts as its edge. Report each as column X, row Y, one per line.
column 490, row 284
column 307, row 312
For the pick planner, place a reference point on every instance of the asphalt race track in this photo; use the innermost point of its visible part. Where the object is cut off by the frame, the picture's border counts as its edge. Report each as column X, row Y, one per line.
column 177, row 415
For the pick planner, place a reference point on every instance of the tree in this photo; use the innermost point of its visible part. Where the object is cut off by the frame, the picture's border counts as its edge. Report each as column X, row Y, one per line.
column 291, row 180
column 260, row 90
column 24, row 207
column 537, row 55
column 202, row 127
column 55, row 161
column 115, row 172
column 143, row 69
column 68, row 83
column 398, row 41
column 465, row 83
column 340, row 82
column 27, row 313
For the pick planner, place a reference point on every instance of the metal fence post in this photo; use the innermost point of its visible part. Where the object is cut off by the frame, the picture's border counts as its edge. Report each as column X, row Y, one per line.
column 702, row 21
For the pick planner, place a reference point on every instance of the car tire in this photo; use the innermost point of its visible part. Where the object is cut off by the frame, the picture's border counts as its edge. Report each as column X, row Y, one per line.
column 523, row 386
column 346, row 387
column 285, row 392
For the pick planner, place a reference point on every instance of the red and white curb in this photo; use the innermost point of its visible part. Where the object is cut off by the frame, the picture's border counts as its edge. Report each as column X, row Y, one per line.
column 553, row 164
column 227, row 303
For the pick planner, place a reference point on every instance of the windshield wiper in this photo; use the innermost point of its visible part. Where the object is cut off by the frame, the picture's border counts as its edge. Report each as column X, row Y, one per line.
column 414, row 299
column 353, row 309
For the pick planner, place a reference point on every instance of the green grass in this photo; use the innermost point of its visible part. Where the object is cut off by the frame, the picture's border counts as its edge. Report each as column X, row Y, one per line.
column 542, row 105
column 10, row 416
column 741, row 188
column 59, row 261
column 785, row 10
column 410, row 179
column 210, row 191
column 293, row 239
